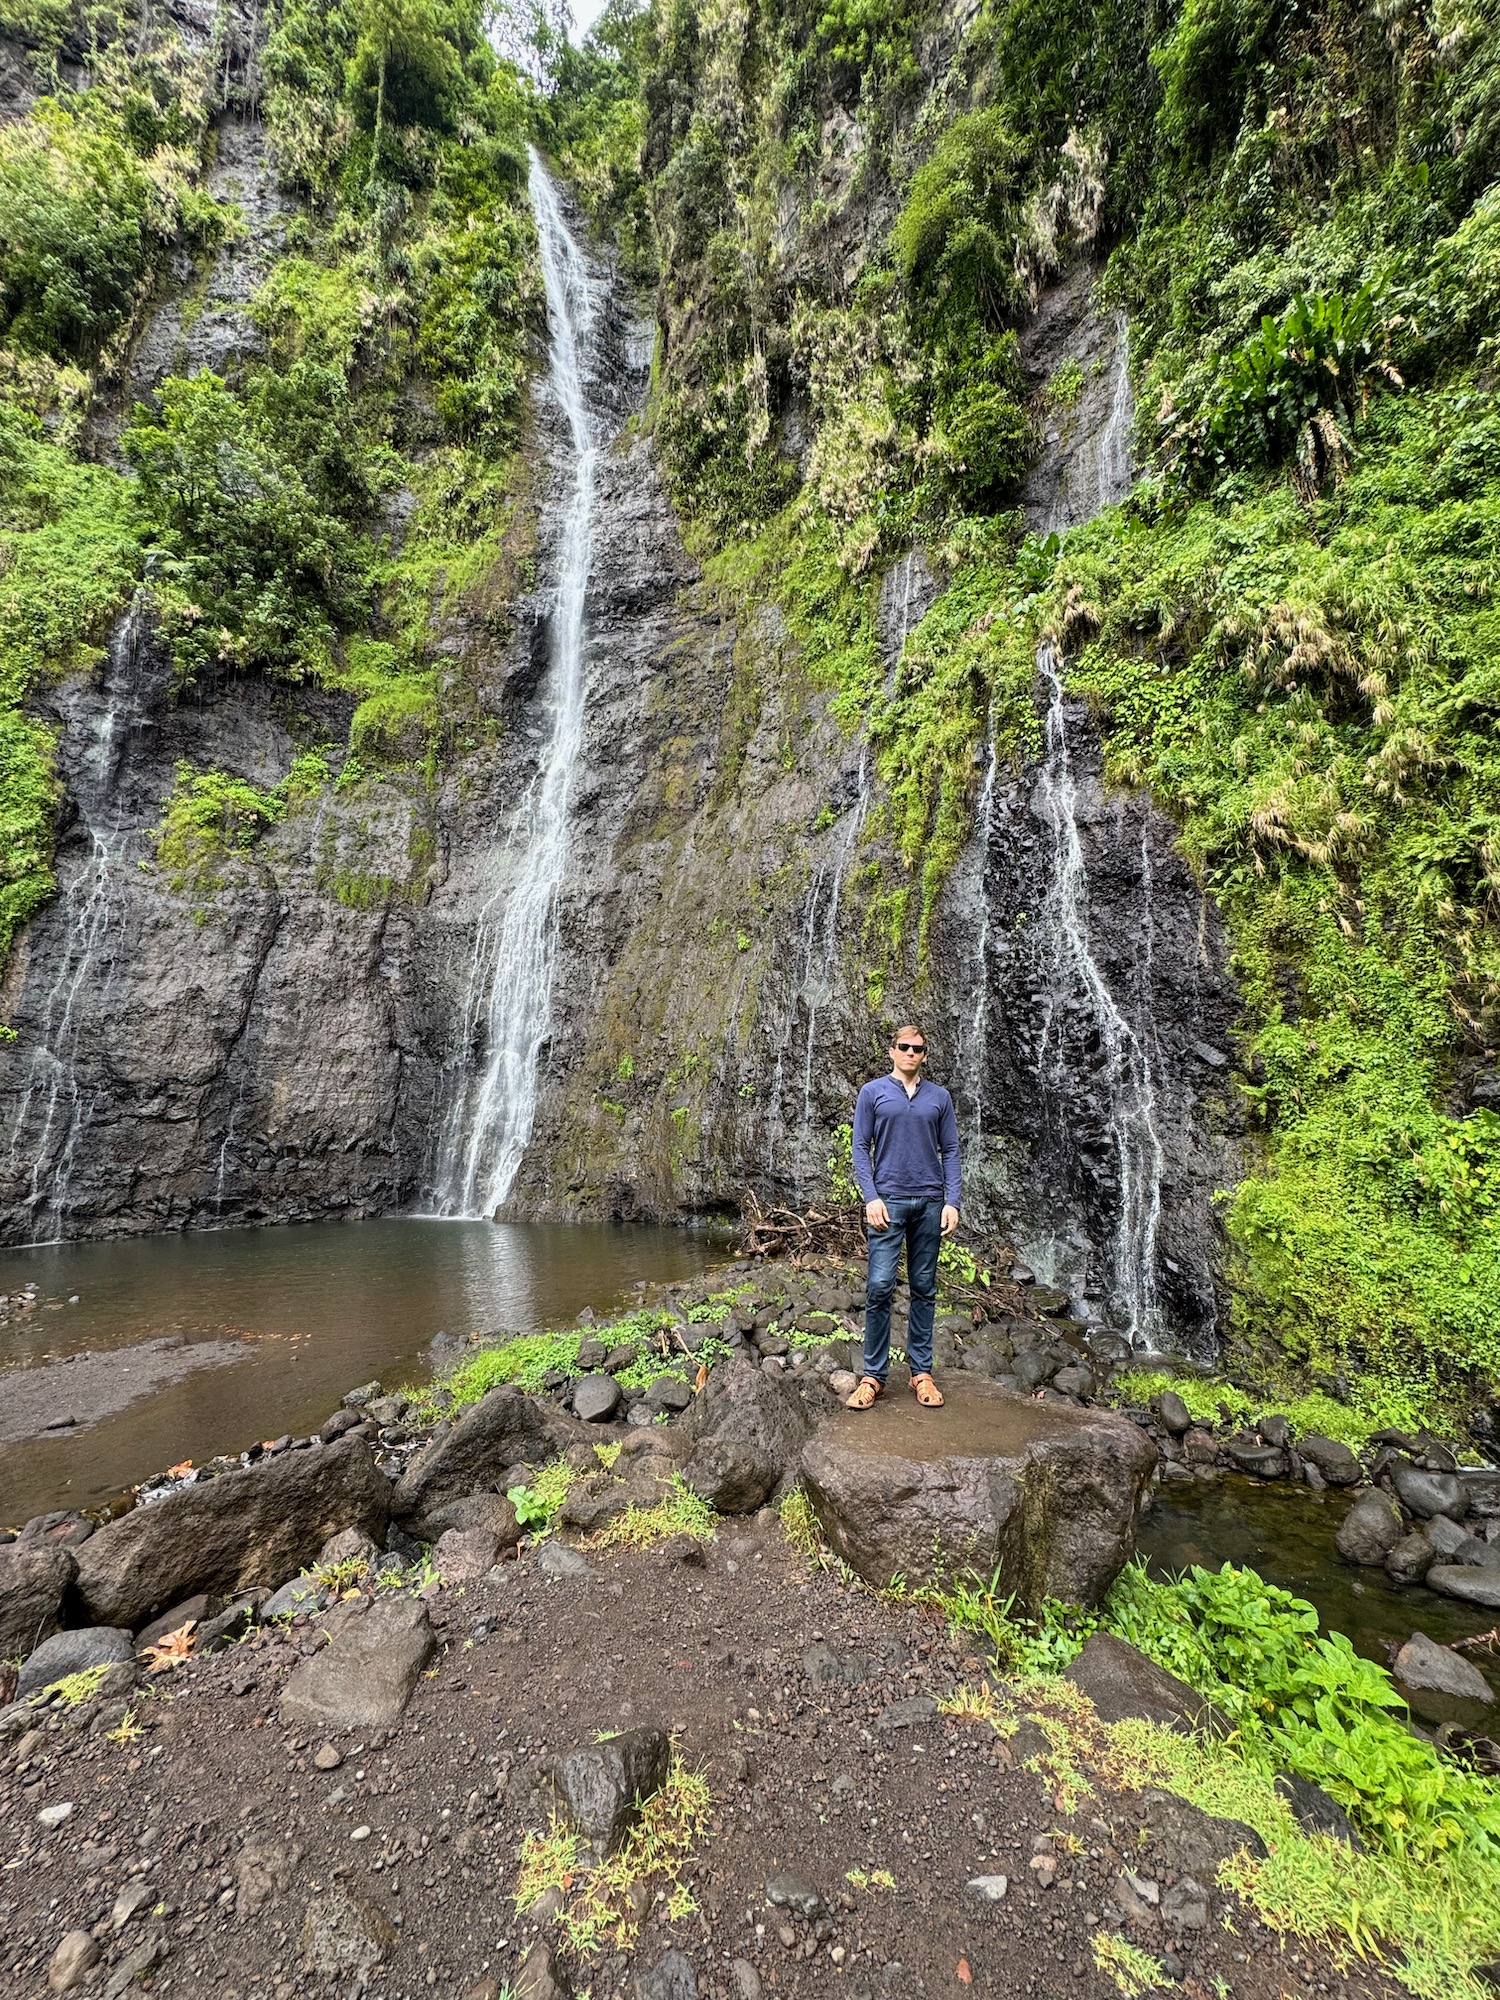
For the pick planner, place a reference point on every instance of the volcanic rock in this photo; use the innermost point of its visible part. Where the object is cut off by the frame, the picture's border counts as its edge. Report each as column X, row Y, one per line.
column 34, row 1577
column 1369, row 1531
column 602, row 1784
column 343, row 1932
column 596, row 1398
column 1472, row 1584
column 239, row 1532
column 1046, row 1492
column 1336, row 1462
column 1422, row 1663
column 504, row 1428
column 74, row 1653
column 1428, row 1493
column 742, row 1405
column 364, row 1679
column 732, row 1476
column 1124, row 1685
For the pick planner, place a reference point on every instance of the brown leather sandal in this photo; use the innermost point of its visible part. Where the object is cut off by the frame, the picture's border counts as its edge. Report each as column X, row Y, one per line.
column 866, row 1395
column 927, row 1392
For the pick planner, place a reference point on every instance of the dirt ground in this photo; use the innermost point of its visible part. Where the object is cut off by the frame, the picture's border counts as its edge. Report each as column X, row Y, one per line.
column 426, row 1825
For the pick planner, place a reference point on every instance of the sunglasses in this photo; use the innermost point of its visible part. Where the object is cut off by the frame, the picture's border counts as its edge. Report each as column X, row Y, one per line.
column 912, row 1048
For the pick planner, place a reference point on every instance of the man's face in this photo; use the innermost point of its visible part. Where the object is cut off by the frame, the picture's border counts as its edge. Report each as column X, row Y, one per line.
column 908, row 1052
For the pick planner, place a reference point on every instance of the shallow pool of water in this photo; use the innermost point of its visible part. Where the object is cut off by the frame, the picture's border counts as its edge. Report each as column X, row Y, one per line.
column 298, row 1316
column 1286, row 1533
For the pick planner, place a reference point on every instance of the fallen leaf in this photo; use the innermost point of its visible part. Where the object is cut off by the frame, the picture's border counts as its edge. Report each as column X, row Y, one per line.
column 700, row 1378
column 965, row 1976
column 178, row 1471
column 171, row 1649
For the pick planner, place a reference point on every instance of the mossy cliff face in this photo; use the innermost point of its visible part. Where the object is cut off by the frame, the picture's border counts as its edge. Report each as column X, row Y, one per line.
column 1177, row 835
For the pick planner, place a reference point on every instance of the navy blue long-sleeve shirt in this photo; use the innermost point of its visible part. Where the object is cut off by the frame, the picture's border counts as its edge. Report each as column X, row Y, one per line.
column 906, row 1148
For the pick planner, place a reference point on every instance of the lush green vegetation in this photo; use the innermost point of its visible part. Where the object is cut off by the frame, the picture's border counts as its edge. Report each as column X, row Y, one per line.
column 1288, row 635
column 397, row 324
column 1420, row 1899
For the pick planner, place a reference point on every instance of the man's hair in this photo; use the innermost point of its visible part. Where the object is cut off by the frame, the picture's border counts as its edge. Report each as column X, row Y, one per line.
column 915, row 1028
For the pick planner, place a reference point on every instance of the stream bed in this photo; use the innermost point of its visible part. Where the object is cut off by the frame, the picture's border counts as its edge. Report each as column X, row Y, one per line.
column 189, row 1345
column 1286, row 1533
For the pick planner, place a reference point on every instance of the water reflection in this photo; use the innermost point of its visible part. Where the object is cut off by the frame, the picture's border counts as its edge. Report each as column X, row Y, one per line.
column 322, row 1306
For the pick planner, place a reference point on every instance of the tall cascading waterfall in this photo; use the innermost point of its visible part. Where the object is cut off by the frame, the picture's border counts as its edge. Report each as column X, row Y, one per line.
column 97, row 720
column 977, row 1039
column 508, row 1005
column 1124, row 1066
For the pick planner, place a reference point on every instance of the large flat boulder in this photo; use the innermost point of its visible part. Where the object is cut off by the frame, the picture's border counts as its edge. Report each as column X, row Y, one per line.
column 34, row 1577
column 245, row 1531
column 1047, row 1494
column 505, row 1428
column 365, row 1677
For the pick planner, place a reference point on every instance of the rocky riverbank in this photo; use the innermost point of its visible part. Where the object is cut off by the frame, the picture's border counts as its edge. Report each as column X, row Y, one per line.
column 551, row 1679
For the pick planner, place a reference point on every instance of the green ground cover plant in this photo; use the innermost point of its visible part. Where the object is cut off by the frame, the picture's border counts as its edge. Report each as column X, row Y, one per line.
column 1287, row 636
column 1419, row 1899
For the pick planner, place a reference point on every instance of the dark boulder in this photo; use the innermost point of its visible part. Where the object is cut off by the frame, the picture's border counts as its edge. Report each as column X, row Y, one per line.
column 740, row 1404
column 596, row 1398
column 1369, row 1531
column 236, row 1533
column 1410, row 1559
column 733, row 1477
column 1315, row 1812
column 1176, row 1420
column 603, row 1784
column 1423, row 1663
column 1336, row 1462
column 34, row 1577
column 1471, row 1584
column 365, row 1677
column 1264, row 1461
column 1124, row 1685
column 74, row 1652
column 490, row 1511
column 1046, row 1492
column 1425, row 1493
column 504, row 1428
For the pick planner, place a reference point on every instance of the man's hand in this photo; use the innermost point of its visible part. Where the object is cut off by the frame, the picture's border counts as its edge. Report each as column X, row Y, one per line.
column 878, row 1215
column 950, row 1218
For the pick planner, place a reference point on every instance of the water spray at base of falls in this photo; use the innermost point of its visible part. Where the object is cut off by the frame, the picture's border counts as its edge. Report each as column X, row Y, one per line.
column 1124, row 1068
column 508, row 1008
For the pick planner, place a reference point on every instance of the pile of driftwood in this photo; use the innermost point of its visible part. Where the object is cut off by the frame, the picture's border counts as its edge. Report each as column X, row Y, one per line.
column 823, row 1230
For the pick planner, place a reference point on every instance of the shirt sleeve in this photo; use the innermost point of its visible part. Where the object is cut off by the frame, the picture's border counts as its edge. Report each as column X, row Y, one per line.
column 948, row 1140
column 864, row 1134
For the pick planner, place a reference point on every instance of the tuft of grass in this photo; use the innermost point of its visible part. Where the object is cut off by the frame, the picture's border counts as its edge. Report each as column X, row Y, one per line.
column 680, row 1511
column 73, row 1690
column 1133, row 1971
column 800, row 1526
column 607, row 1455
column 125, row 1732
column 598, row 1911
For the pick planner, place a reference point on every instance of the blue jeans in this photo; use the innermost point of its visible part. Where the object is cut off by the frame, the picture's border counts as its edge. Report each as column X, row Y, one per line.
column 919, row 1226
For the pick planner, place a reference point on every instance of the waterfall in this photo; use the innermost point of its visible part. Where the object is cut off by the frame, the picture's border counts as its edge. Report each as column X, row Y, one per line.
column 820, row 937
column 97, row 722
column 1125, row 1071
column 509, row 999
column 978, row 1039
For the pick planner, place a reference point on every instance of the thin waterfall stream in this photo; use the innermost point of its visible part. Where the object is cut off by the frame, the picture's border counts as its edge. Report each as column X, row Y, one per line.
column 1125, row 1070
column 508, row 1005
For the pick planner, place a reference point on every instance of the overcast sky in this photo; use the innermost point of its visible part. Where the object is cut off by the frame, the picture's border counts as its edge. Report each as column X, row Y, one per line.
column 585, row 14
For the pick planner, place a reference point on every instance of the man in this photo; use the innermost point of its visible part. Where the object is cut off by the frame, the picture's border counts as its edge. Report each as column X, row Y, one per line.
column 906, row 1163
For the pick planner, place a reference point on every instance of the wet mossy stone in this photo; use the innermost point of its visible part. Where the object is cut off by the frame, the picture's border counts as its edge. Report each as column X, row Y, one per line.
column 1370, row 1530
column 1426, row 1493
